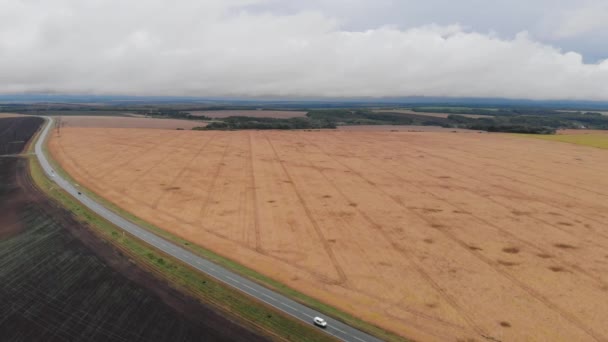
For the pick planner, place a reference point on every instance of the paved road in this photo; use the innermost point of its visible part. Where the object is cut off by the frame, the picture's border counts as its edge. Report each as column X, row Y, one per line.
column 337, row 329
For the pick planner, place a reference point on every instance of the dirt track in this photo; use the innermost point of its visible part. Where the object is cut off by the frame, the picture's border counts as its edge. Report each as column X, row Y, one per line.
column 432, row 235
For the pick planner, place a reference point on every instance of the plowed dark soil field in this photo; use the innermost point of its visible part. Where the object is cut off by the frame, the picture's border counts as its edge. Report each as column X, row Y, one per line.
column 59, row 282
column 15, row 133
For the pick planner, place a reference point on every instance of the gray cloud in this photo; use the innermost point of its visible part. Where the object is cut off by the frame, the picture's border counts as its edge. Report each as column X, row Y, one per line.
column 569, row 24
column 262, row 47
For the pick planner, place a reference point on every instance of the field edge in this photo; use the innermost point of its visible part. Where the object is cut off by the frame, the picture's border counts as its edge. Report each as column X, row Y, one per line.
column 236, row 305
column 235, row 266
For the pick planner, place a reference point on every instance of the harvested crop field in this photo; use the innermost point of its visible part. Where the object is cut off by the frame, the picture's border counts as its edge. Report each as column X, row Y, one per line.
column 434, row 235
column 128, row 122
column 59, row 282
column 279, row 114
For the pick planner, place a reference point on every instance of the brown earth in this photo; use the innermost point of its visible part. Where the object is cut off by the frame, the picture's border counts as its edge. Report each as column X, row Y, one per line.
column 60, row 282
column 436, row 236
column 128, row 122
column 280, row 114
column 11, row 115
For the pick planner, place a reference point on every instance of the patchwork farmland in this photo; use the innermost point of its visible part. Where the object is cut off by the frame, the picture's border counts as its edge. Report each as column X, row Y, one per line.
column 433, row 235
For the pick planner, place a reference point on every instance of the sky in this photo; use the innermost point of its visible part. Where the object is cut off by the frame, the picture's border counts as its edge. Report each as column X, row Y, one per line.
column 533, row 49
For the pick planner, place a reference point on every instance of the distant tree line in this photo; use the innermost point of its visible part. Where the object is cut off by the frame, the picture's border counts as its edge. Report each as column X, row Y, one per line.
column 367, row 117
column 500, row 119
column 527, row 111
column 535, row 121
column 529, row 125
column 246, row 122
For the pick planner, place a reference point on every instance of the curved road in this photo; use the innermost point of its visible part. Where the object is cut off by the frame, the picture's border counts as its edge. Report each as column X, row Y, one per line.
column 335, row 328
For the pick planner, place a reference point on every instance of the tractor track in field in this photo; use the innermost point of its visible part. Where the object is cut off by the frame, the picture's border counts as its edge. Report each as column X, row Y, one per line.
column 181, row 172
column 403, row 250
column 290, row 307
column 434, row 238
column 507, row 190
column 341, row 274
column 491, row 263
column 522, row 241
column 256, row 206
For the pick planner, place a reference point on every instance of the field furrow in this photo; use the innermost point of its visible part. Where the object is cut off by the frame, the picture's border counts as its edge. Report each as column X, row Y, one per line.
column 434, row 235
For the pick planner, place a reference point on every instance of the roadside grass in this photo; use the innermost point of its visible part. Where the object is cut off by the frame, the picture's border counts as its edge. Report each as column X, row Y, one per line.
column 207, row 289
column 234, row 266
column 593, row 140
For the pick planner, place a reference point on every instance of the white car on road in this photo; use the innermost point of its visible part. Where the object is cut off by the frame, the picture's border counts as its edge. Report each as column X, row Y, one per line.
column 320, row 322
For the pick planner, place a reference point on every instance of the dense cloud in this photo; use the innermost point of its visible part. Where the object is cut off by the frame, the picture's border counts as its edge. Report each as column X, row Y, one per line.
column 253, row 48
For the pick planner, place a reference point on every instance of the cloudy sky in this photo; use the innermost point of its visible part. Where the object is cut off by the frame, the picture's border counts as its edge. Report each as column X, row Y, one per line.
column 539, row 49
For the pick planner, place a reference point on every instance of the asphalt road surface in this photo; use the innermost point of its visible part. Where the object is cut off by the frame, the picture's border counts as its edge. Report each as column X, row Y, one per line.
column 335, row 328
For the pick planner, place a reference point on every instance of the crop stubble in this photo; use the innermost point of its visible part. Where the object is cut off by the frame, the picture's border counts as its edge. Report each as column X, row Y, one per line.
column 431, row 235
